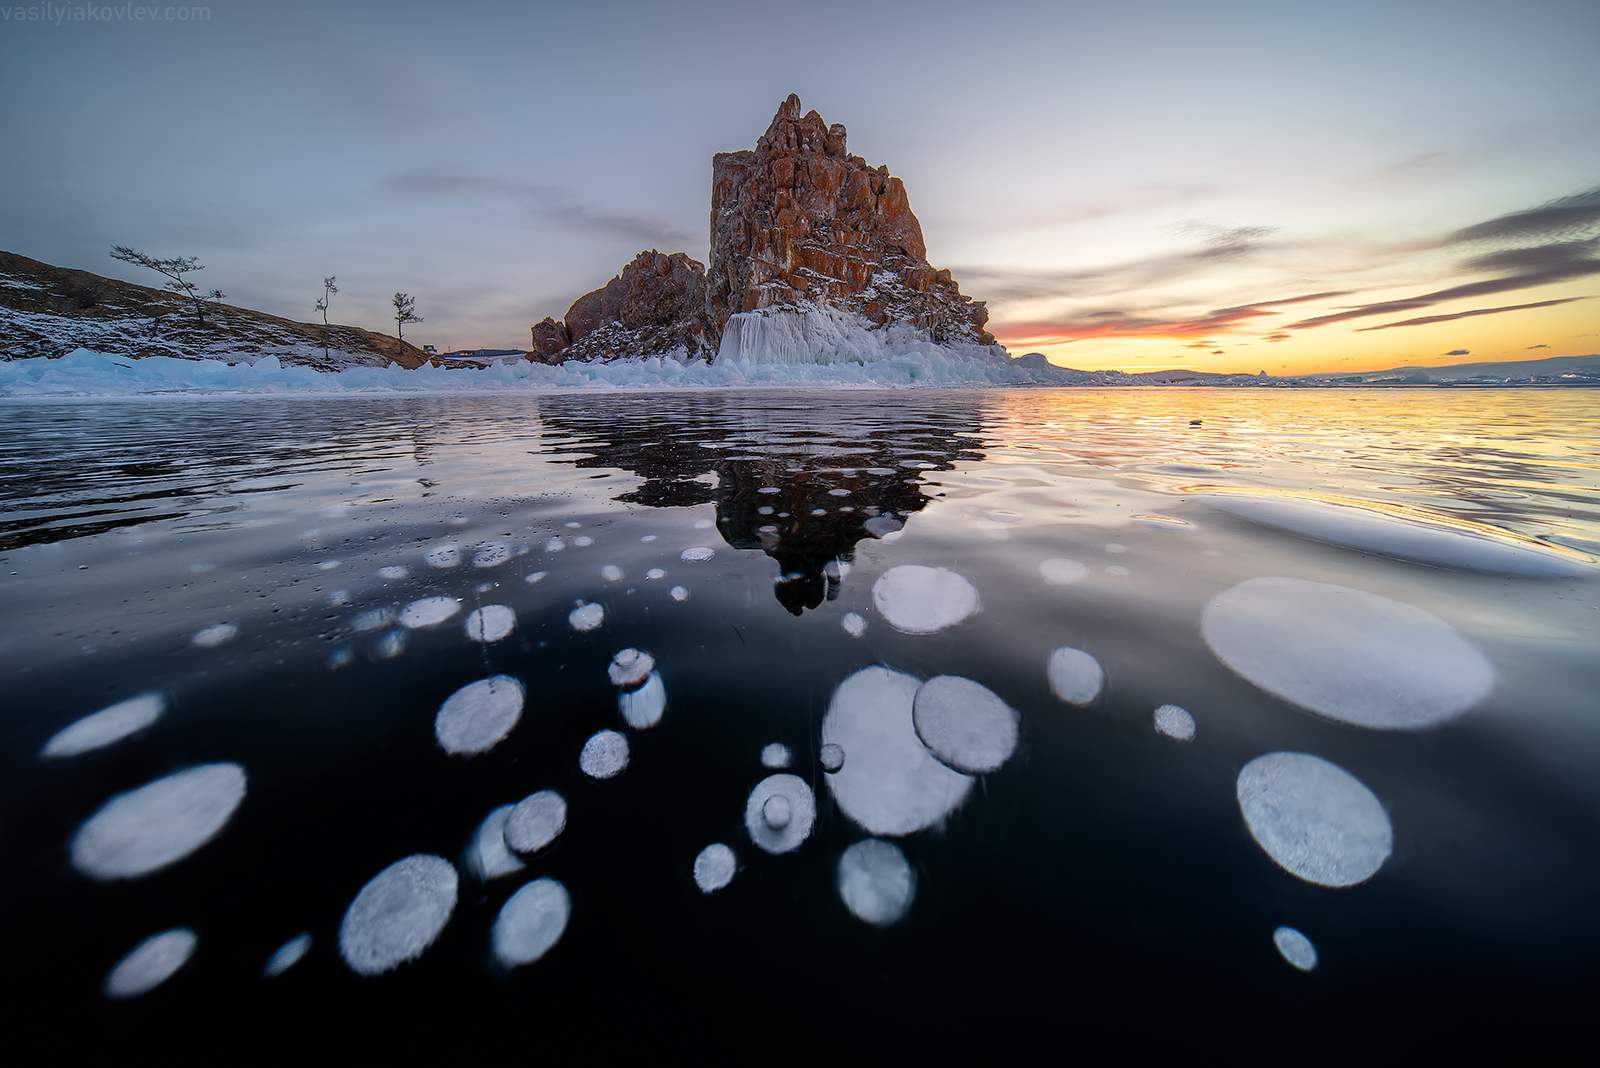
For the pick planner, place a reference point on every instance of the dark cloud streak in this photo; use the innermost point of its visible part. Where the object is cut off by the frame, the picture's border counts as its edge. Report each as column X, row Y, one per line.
column 552, row 203
column 1426, row 319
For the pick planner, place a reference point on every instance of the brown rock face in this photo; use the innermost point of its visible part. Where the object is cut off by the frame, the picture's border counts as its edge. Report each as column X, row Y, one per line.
column 653, row 306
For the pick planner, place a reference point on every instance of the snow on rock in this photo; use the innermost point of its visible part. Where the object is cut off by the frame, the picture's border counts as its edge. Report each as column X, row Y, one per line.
column 1059, row 571
column 536, row 821
column 286, row 956
column 922, row 600
column 715, row 867
column 1295, row 947
column 875, row 882
column 491, row 623
column 428, row 612
column 604, row 755
column 398, row 914
column 531, row 922
column 1075, row 676
column 780, row 812
column 106, row 727
column 1316, row 820
column 488, row 856
column 478, row 716
column 1174, row 722
column 964, row 724
column 642, row 708
column 586, row 617
column 160, row 823
column 150, row 963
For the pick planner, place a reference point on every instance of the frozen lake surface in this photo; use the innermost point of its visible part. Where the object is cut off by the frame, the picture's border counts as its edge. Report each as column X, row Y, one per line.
column 1278, row 708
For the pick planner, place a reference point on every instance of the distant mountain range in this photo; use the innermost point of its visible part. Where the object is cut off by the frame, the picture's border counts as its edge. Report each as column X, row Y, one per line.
column 1552, row 370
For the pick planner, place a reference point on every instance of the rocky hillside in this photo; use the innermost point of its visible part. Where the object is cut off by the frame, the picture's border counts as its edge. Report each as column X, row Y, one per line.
column 50, row 311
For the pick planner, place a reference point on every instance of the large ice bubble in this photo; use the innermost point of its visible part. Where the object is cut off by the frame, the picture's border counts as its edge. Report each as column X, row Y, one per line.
column 1075, row 676
column 215, row 635
column 536, row 821
column 106, row 727
column 428, row 612
column 1346, row 654
column 875, row 882
column 715, row 867
column 1174, row 722
column 780, row 812
column 891, row 785
column 643, row 708
column 150, row 963
column 776, row 755
column 1314, row 819
column 1295, row 947
column 444, row 557
column 965, row 724
column 531, row 922
column 398, row 914
column 922, row 600
column 476, row 717
column 488, row 856
column 604, row 755
column 491, row 623
column 159, row 823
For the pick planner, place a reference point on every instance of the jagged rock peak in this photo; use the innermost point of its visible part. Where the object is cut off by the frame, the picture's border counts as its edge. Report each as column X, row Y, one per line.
column 655, row 305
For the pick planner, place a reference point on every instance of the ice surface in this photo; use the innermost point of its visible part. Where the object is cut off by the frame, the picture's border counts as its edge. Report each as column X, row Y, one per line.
column 630, row 667
column 1346, row 654
column 964, row 724
column 1314, row 818
column 536, row 821
column 491, row 623
column 831, row 757
column 491, row 554
column 107, row 726
column 875, row 882
column 1174, row 722
column 679, row 593
column 891, row 784
column 398, row 914
column 287, row 956
column 159, row 823
column 428, row 612
column 151, row 963
column 922, row 600
column 655, row 573
column 604, row 755
column 776, row 755
column 1422, row 539
column 1075, row 676
column 215, row 635
column 531, row 922
column 854, row 625
column 586, row 617
column 715, row 867
column 698, row 554
column 487, row 855
column 780, row 812
column 836, row 570
column 611, row 573
column 1059, row 571
column 376, row 619
column 643, row 708
column 444, row 557
column 1295, row 947
column 478, row 716
column 393, row 572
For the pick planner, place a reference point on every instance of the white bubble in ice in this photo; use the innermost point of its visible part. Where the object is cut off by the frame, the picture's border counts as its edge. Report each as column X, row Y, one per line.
column 478, row 716
column 151, row 963
column 891, row 785
column 630, row 667
column 339, row 598
column 922, row 600
column 573, row 525
column 161, row 822
column 679, row 593
column 643, row 708
column 853, row 624
column 604, row 755
column 536, row 821
column 832, row 757
column 1118, row 569
column 776, row 755
column 286, row 956
column 443, row 557
column 1075, row 676
column 650, row 537
column 376, row 619
column 491, row 623
column 1346, row 654
column 488, row 856
column 215, row 635
column 554, row 545
column 881, row 526
column 780, row 812
column 965, row 724
column 1295, row 947
column 1314, row 819
column 1114, row 547
column 398, row 914
column 655, row 573
column 1059, row 571
column 535, row 577
column 1174, row 722
column 428, row 612
column 875, row 882
column 583, row 541
column 611, row 573
column 393, row 572
column 531, row 922
column 586, row 617
column 107, row 726
column 714, row 868
column 329, row 565
column 697, row 554
column 491, row 554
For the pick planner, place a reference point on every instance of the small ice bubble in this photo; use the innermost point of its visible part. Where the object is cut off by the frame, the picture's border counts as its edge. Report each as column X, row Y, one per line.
column 536, row 821
column 339, row 599
column 643, row 708
column 1075, row 676
column 476, row 717
column 151, row 963
column 875, row 882
column 105, row 727
column 583, row 541
column 329, row 565
column 679, row 593
column 714, row 868
column 376, row 619
column 922, row 600
column 630, row 667
column 604, row 755
column 484, row 587
column 1175, row 722
column 698, row 554
column 703, row 524
column 554, row 545
column 531, row 922
column 611, row 573
column 1114, row 547
column 1314, row 819
column 457, row 521
column 488, row 856
column 832, row 757
column 535, row 577
column 965, row 724
column 1059, row 571
column 769, row 489
column 650, row 537
column 655, row 573
column 491, row 623
column 393, row 572
column 1295, row 947
column 776, row 755
column 524, row 549
column 428, row 612
column 854, row 625
column 340, row 658
column 398, row 914
column 819, row 511
column 573, row 525
column 765, row 509
column 199, row 567
column 215, row 635
column 491, row 554
column 586, row 617
column 159, row 823
column 780, row 812
column 287, row 956
column 838, row 493
column 1117, row 569
column 769, row 529
column 390, row 645
column 444, row 557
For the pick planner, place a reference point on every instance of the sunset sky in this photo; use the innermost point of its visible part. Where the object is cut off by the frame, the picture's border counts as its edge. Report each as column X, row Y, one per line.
column 1225, row 186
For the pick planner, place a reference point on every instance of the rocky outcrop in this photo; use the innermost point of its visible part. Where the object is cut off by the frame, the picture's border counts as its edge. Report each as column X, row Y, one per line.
column 655, row 305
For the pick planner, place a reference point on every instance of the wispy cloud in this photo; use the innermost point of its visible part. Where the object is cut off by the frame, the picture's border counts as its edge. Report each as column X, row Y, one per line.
column 1121, row 324
column 551, row 203
column 1565, row 217
column 1426, row 319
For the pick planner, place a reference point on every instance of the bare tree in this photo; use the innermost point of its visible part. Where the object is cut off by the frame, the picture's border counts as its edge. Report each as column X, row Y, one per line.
column 404, row 304
column 175, row 269
column 328, row 290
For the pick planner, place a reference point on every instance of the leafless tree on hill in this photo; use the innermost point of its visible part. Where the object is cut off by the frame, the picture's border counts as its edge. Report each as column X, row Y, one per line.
column 175, row 269
column 404, row 305
column 328, row 290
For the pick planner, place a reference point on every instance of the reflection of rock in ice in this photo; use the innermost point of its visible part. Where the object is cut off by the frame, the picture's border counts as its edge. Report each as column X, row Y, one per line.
column 428, row 612
column 1075, row 676
column 393, row 572
column 922, row 600
column 444, row 557
column 398, row 914
column 964, row 724
column 891, row 785
column 487, row 855
column 604, row 755
column 831, row 757
column 531, row 922
column 1295, row 947
column 376, row 619
column 1314, row 818
column 476, row 717
column 491, row 623
column 1427, row 540
column 714, row 868
column 698, row 554
column 536, row 821
column 491, row 554
column 611, row 573
column 150, row 963
column 1346, row 654
column 776, row 755
column 286, row 956
column 854, row 625
column 780, row 813
column 679, row 593
column 215, row 635
column 875, row 882
column 586, row 617
column 630, row 667
column 159, row 823
column 643, row 707
column 1059, row 571
column 1175, row 722
column 106, row 726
